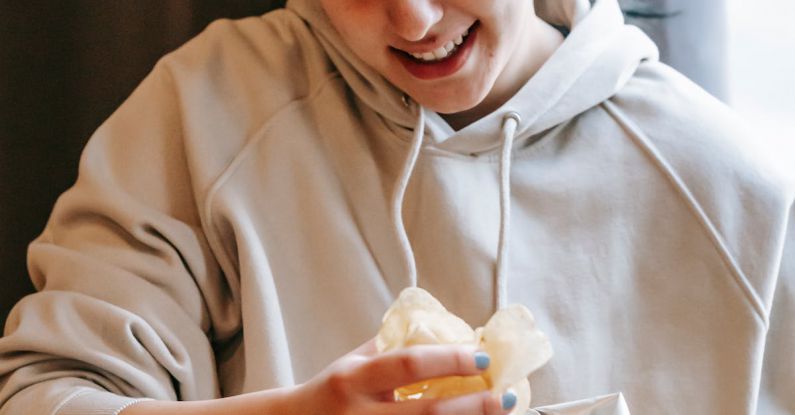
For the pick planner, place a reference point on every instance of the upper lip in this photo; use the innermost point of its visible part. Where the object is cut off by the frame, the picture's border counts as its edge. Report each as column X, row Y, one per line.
column 431, row 43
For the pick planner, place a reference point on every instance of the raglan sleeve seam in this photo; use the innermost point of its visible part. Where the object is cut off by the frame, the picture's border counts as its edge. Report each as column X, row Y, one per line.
column 717, row 239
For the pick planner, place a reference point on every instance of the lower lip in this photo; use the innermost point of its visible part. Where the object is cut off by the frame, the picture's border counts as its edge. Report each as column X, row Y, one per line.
column 442, row 68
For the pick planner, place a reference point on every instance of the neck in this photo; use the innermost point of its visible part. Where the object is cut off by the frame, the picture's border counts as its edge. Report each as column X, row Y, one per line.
column 536, row 46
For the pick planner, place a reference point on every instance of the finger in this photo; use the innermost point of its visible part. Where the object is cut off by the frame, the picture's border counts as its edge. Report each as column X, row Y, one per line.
column 481, row 403
column 416, row 363
column 367, row 348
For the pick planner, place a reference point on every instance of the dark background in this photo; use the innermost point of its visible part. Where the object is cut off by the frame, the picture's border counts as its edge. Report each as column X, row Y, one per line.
column 66, row 65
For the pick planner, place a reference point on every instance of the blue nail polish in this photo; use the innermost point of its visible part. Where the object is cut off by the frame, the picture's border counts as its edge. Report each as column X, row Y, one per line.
column 508, row 400
column 482, row 360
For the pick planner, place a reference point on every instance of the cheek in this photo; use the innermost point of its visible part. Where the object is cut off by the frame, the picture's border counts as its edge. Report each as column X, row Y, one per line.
column 351, row 18
column 368, row 49
column 511, row 20
column 502, row 43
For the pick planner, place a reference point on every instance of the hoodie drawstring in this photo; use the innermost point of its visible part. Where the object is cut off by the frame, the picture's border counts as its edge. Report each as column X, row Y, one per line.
column 510, row 124
column 400, row 191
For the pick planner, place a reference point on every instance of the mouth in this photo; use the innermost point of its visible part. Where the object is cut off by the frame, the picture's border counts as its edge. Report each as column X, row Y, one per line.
column 441, row 62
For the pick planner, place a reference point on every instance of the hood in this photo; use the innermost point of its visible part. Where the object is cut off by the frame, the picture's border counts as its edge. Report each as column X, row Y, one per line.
column 598, row 56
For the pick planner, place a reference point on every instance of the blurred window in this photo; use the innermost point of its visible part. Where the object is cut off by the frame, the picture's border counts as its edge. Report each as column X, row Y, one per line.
column 762, row 65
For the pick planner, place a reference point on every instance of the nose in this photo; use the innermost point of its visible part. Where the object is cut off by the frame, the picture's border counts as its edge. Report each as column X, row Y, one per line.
column 413, row 19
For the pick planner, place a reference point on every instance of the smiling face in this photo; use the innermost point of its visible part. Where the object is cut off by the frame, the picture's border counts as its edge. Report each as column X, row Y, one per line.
column 448, row 55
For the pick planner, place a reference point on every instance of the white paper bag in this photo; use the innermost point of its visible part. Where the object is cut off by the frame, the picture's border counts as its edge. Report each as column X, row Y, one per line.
column 612, row 404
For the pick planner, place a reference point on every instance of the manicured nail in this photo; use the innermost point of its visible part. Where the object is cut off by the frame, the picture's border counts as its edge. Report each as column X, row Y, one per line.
column 482, row 360
column 508, row 400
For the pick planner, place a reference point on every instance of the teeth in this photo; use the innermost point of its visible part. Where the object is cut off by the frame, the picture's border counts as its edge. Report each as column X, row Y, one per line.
column 443, row 51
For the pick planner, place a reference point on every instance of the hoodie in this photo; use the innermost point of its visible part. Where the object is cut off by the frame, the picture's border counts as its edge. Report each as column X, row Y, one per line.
column 253, row 208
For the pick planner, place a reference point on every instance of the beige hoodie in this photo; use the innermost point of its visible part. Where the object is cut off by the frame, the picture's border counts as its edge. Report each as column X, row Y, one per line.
column 234, row 228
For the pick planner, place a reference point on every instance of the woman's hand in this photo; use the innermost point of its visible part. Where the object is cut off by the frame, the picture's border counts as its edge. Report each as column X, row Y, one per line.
column 362, row 383
column 359, row 383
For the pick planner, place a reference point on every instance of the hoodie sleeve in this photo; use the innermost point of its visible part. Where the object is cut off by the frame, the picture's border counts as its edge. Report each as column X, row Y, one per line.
column 777, row 390
column 129, row 294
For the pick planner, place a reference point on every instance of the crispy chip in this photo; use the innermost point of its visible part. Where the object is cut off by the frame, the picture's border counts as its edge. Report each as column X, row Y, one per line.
column 417, row 317
column 510, row 337
column 522, row 390
column 442, row 388
column 516, row 346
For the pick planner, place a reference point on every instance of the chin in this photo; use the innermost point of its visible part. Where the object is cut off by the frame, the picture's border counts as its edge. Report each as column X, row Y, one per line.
column 449, row 103
column 448, row 109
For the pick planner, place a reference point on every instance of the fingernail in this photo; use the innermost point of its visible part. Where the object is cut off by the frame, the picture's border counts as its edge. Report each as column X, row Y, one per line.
column 482, row 360
column 508, row 400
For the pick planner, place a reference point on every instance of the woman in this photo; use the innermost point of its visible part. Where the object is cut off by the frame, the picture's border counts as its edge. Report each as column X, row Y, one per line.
column 246, row 217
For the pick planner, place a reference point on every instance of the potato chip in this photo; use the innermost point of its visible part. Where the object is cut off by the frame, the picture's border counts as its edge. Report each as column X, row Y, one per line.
column 510, row 337
column 442, row 388
column 516, row 346
column 417, row 317
column 522, row 390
